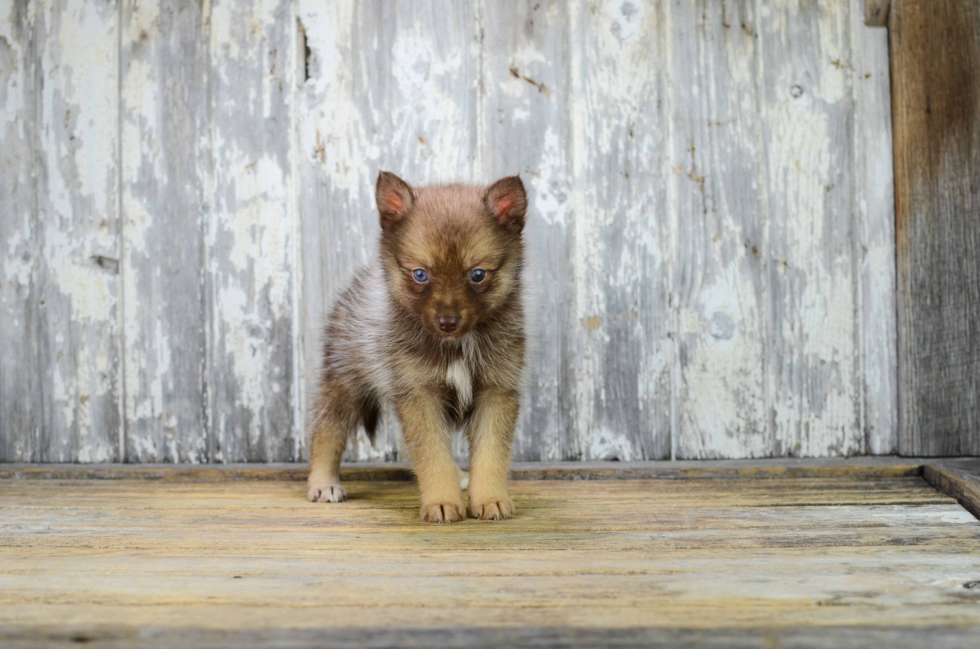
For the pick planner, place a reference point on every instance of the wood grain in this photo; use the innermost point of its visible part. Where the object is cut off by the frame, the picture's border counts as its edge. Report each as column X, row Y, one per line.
column 391, row 88
column 622, row 245
column 959, row 479
column 78, row 231
column 718, row 188
column 490, row 637
column 935, row 62
column 20, row 381
column 187, row 186
column 523, row 97
column 166, row 144
column 172, row 560
column 855, row 468
column 874, row 211
column 814, row 362
column 252, row 237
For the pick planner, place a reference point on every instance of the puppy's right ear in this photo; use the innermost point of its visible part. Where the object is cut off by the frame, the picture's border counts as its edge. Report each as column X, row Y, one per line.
column 507, row 202
column 394, row 198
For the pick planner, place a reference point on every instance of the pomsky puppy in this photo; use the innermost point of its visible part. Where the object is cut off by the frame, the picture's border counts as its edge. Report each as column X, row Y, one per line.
column 436, row 328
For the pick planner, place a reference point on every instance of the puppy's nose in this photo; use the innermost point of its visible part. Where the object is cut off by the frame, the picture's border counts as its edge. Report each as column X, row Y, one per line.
column 447, row 323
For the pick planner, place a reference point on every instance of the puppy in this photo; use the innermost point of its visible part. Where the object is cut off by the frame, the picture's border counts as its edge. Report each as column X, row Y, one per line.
column 436, row 328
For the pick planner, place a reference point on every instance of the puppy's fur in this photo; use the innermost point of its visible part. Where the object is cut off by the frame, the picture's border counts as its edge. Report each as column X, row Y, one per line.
column 443, row 343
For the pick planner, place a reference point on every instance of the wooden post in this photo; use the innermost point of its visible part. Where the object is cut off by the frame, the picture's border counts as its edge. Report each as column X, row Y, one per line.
column 935, row 63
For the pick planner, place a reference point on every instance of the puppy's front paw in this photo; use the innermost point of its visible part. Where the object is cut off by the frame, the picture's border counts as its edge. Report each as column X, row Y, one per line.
column 493, row 508
column 326, row 492
column 443, row 512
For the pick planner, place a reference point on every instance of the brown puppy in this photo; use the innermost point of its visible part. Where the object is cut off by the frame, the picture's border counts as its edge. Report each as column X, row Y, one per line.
column 436, row 328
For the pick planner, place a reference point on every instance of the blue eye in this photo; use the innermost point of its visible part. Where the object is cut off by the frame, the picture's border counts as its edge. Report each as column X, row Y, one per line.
column 420, row 275
column 478, row 275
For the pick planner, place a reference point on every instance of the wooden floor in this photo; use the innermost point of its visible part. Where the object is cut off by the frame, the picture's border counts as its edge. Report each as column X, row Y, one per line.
column 818, row 561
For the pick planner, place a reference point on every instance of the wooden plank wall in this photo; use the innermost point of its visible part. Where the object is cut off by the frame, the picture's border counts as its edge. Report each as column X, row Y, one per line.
column 187, row 185
column 936, row 76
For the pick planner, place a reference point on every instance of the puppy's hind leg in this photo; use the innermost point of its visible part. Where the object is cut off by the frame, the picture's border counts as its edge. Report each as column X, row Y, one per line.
column 331, row 423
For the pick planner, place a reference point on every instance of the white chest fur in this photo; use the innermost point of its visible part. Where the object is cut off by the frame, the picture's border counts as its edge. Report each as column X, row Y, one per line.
column 458, row 376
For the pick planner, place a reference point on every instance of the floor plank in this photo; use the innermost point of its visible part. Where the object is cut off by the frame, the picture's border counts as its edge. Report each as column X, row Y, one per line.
column 689, row 562
column 855, row 467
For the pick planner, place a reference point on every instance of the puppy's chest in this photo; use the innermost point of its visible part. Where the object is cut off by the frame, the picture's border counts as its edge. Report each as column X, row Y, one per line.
column 459, row 381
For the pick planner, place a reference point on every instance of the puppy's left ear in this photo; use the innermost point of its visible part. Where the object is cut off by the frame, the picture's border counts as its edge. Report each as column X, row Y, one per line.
column 507, row 202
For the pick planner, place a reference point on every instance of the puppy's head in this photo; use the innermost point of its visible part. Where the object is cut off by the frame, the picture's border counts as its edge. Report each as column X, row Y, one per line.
column 452, row 253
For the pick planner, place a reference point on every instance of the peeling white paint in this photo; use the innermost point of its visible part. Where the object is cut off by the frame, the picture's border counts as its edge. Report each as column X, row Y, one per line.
column 551, row 193
column 707, row 286
column 610, row 445
column 77, row 234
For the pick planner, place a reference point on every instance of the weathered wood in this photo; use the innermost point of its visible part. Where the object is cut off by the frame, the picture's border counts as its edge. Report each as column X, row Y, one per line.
column 620, row 403
column 864, row 468
column 710, row 223
column 390, row 87
column 166, row 141
column 337, row 228
column 935, row 49
column 875, row 213
column 253, row 233
column 875, row 12
column 78, row 231
column 166, row 559
column 523, row 97
column 20, row 395
column 814, row 366
column 959, row 479
column 718, row 198
column 472, row 637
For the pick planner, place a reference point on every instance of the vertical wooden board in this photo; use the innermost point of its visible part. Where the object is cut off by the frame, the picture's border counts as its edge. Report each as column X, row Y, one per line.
column 337, row 228
column 20, row 396
column 814, row 364
column 524, row 128
column 621, row 351
column 875, row 201
column 384, row 86
column 718, row 186
column 165, row 163
column 250, row 234
column 78, row 230
column 935, row 64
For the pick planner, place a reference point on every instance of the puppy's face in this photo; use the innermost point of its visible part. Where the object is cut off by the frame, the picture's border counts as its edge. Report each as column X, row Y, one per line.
column 452, row 253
